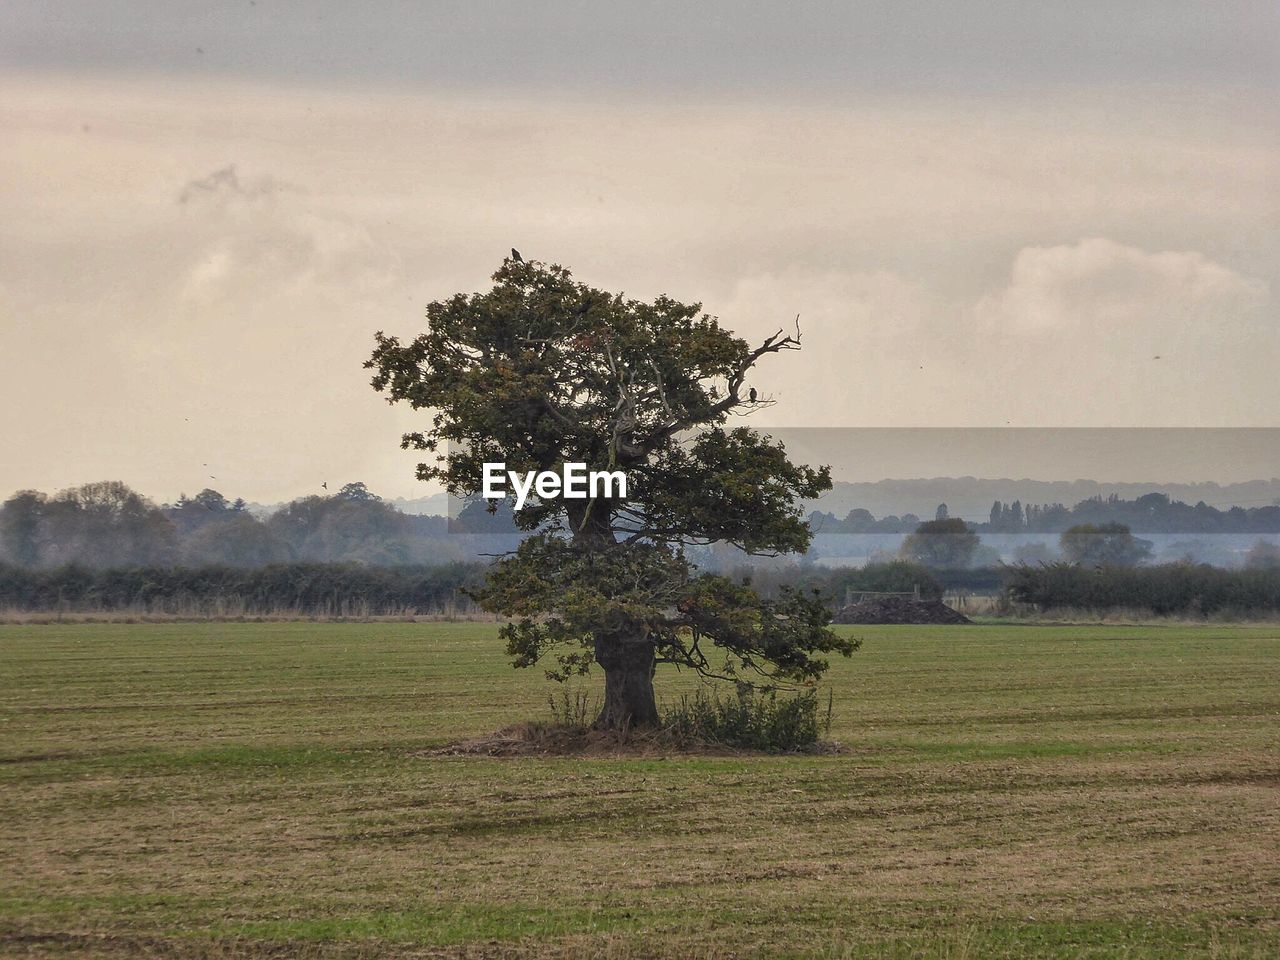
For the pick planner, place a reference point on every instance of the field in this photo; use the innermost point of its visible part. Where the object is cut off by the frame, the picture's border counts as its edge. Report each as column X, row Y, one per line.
column 269, row 790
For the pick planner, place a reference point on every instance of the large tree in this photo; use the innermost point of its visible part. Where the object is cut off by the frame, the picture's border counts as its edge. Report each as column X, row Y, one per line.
column 541, row 371
column 946, row 543
column 1101, row 545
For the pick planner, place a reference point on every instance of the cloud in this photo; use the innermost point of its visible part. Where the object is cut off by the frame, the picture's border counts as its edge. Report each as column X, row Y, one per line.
column 1101, row 284
column 225, row 185
column 260, row 238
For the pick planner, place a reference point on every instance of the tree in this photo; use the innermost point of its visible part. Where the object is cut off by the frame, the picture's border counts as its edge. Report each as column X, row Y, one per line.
column 1263, row 555
column 106, row 524
column 543, row 370
column 21, row 519
column 239, row 541
column 342, row 528
column 1100, row 545
column 944, row 544
column 208, row 506
column 358, row 493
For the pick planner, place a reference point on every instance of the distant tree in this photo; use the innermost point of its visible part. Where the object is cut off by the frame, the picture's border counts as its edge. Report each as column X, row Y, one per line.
column 358, row 493
column 106, row 524
column 941, row 512
column 542, row 370
column 342, row 529
column 1014, row 520
column 212, row 501
column 945, row 544
column 241, row 540
column 1108, row 544
column 21, row 519
column 1263, row 555
column 192, row 513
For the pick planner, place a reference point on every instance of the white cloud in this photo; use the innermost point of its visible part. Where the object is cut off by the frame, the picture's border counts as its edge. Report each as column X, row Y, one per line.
column 261, row 238
column 1100, row 285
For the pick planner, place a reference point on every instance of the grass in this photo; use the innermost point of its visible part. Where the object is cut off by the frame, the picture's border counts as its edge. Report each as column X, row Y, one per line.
column 269, row 790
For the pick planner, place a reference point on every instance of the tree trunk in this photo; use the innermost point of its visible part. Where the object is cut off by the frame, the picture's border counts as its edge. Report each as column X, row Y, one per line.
column 628, row 684
column 627, row 659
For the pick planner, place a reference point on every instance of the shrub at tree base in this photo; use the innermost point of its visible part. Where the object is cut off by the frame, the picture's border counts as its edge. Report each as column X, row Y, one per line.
column 751, row 719
column 707, row 722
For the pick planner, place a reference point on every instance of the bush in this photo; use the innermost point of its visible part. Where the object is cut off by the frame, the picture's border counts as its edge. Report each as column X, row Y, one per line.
column 1168, row 590
column 307, row 588
column 751, row 719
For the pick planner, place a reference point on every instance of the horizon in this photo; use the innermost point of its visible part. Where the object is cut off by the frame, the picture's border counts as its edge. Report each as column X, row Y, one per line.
column 1150, row 486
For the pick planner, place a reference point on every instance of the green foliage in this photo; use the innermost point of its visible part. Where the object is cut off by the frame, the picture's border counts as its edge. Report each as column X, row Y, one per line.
column 20, row 518
column 543, row 370
column 753, row 719
column 1107, row 544
column 96, row 524
column 649, row 592
column 1169, row 589
column 324, row 589
column 945, row 543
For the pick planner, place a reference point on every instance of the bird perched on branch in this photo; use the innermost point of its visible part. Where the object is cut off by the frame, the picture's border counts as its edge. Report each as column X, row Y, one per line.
column 751, row 394
column 515, row 255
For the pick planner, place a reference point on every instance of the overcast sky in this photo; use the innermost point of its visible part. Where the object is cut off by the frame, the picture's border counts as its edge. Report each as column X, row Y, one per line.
column 987, row 214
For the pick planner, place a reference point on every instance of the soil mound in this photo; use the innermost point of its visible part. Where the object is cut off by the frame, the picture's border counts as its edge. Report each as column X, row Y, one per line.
column 900, row 610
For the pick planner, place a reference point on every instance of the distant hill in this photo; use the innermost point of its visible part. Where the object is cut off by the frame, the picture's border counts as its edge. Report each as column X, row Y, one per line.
column 971, row 497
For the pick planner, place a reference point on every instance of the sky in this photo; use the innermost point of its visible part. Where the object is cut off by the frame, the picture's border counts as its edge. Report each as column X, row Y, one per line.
column 989, row 214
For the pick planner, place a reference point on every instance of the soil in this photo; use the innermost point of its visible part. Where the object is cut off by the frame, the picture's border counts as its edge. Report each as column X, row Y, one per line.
column 900, row 610
column 551, row 740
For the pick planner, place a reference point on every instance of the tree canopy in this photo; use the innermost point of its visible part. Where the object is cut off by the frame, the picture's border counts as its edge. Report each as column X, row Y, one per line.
column 1106, row 544
column 946, row 543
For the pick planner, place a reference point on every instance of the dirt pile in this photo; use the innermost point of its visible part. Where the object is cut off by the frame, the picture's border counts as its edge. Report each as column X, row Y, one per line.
column 900, row 610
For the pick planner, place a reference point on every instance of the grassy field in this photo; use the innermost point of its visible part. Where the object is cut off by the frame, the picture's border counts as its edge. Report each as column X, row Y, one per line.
column 268, row 790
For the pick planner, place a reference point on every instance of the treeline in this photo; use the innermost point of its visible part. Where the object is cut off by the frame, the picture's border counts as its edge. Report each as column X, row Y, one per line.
column 352, row 589
column 1151, row 513
column 356, row 590
column 308, row 589
column 106, row 525
column 1167, row 590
